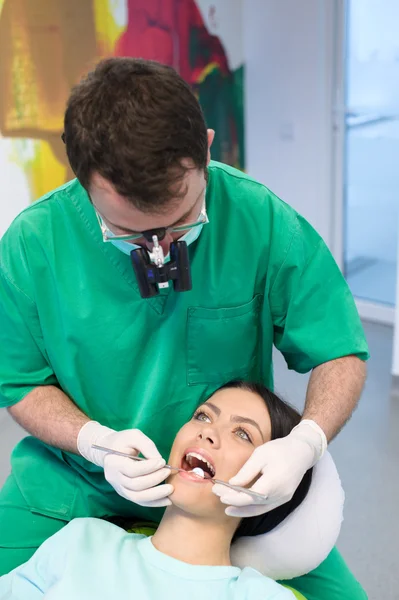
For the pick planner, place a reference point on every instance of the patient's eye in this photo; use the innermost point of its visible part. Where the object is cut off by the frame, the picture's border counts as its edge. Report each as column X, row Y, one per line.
column 200, row 415
column 244, row 435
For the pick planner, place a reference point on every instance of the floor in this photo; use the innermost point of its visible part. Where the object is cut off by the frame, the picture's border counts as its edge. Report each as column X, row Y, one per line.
column 366, row 453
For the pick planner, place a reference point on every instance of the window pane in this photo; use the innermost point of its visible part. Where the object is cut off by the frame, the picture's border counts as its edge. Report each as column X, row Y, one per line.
column 372, row 149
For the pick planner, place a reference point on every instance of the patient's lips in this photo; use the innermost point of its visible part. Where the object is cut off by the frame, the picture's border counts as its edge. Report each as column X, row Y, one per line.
column 198, row 465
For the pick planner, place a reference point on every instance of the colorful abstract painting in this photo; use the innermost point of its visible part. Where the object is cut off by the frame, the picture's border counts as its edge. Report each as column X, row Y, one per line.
column 45, row 47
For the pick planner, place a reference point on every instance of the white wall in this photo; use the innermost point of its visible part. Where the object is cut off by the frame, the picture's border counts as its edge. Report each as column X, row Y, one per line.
column 288, row 52
column 223, row 18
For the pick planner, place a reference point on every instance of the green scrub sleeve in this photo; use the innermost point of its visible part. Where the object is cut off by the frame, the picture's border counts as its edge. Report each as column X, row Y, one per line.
column 315, row 318
column 23, row 362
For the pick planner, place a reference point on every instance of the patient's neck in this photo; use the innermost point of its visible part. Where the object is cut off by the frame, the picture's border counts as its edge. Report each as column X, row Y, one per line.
column 193, row 540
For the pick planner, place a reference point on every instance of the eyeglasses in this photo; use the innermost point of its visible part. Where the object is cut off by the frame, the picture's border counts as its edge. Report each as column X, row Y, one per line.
column 109, row 236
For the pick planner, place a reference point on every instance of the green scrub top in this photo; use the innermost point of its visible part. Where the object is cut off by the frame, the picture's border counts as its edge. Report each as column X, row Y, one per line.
column 71, row 315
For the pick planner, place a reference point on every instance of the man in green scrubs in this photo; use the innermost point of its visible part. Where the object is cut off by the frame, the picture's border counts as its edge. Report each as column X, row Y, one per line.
column 85, row 359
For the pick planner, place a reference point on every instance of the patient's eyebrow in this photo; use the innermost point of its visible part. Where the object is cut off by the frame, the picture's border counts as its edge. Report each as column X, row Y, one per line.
column 238, row 419
column 214, row 408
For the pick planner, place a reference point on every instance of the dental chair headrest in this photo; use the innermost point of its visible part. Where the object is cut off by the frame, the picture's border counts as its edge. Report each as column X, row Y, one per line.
column 305, row 538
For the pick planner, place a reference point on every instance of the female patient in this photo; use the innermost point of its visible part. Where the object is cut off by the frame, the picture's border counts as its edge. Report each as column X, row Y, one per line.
column 189, row 555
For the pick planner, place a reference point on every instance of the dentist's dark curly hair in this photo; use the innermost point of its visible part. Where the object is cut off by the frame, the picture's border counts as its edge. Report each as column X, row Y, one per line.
column 283, row 419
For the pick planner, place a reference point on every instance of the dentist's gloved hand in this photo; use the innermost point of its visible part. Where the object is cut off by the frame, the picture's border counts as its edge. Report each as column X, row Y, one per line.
column 136, row 481
column 281, row 465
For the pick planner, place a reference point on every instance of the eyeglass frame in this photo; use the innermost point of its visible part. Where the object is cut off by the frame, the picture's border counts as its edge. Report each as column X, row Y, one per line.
column 202, row 220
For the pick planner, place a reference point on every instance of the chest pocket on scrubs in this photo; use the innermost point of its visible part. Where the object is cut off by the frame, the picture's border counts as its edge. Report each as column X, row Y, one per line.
column 223, row 343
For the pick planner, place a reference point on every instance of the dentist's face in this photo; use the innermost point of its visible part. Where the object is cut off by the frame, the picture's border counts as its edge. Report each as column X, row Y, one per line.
column 220, row 438
column 121, row 217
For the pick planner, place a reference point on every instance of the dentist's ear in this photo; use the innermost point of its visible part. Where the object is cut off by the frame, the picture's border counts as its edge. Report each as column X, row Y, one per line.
column 211, row 137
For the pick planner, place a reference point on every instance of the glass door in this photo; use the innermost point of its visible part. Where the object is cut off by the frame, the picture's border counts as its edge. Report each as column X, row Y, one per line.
column 371, row 211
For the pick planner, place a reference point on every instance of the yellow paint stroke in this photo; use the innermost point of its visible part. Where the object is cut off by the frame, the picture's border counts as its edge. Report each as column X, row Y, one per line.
column 107, row 29
column 45, row 172
column 213, row 66
column 42, row 169
column 22, row 110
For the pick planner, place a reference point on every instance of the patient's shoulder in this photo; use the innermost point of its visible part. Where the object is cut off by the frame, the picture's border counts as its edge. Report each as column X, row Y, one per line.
column 255, row 586
column 91, row 532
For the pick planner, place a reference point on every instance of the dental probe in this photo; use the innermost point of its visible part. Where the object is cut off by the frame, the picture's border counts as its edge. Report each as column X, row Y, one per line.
column 236, row 488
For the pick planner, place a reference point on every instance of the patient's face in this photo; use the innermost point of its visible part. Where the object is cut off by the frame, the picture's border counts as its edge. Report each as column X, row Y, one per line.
column 224, row 432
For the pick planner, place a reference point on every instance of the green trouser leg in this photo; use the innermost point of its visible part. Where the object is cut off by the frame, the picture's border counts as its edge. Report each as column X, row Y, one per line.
column 21, row 531
column 332, row 580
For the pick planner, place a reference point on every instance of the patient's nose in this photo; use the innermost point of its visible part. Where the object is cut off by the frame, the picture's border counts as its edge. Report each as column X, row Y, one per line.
column 208, row 434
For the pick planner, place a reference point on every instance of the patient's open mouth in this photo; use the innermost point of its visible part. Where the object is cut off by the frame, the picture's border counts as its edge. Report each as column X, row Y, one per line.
column 198, row 462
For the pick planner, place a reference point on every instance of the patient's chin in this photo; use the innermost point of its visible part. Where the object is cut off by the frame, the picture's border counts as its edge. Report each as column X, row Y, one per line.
column 195, row 498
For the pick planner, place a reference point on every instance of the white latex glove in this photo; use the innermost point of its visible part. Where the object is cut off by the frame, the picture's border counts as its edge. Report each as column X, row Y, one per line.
column 281, row 463
column 136, row 481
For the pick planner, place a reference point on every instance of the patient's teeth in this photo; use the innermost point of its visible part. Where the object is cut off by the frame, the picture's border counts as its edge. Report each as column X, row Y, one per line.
column 210, row 466
column 191, row 455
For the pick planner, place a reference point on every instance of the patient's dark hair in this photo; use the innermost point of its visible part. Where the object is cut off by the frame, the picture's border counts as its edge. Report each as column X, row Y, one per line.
column 283, row 419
